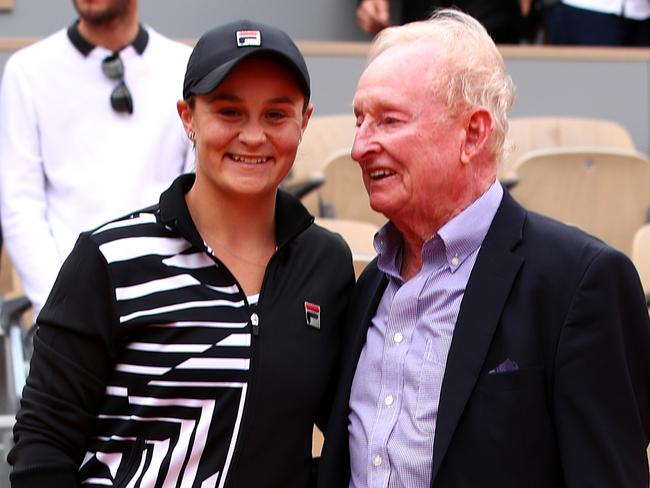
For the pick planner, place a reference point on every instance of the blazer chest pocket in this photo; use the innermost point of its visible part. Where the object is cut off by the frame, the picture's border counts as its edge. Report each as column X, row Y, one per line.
column 520, row 379
column 509, row 414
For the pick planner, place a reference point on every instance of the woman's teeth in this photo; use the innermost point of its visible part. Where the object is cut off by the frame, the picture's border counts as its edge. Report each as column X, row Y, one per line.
column 249, row 159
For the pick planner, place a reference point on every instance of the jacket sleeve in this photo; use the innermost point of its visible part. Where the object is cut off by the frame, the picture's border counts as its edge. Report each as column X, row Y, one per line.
column 602, row 382
column 23, row 204
column 73, row 356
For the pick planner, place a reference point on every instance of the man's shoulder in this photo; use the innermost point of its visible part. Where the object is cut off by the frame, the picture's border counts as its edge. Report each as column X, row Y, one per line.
column 42, row 51
column 169, row 46
column 545, row 229
column 540, row 232
column 556, row 245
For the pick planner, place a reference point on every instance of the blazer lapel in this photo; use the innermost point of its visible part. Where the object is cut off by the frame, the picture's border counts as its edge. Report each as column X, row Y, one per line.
column 487, row 290
column 364, row 305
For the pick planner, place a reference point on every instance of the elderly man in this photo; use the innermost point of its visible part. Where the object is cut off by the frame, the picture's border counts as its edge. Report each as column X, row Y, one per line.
column 487, row 345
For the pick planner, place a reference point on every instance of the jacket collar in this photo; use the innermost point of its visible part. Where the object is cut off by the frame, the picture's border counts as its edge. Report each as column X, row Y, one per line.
column 85, row 47
column 291, row 217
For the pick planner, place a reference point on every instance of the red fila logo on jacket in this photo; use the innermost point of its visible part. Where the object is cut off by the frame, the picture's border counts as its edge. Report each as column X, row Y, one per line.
column 312, row 314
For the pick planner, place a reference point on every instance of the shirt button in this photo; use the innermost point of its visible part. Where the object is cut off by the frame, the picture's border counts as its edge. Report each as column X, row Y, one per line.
column 455, row 261
column 398, row 337
column 377, row 460
column 389, row 400
column 255, row 320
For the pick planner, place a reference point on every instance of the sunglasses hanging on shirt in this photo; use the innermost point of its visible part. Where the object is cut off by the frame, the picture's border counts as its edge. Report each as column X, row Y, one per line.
column 113, row 68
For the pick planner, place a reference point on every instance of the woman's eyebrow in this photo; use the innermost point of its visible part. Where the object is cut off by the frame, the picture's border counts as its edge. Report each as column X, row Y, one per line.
column 283, row 99
column 224, row 96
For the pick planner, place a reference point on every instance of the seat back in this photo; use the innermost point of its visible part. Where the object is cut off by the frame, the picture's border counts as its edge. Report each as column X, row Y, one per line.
column 528, row 133
column 641, row 256
column 359, row 236
column 324, row 136
column 344, row 193
column 9, row 281
column 604, row 191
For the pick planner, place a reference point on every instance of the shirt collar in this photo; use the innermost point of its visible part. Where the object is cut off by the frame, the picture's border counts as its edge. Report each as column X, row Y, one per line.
column 460, row 237
column 291, row 217
column 464, row 234
column 85, row 47
column 388, row 244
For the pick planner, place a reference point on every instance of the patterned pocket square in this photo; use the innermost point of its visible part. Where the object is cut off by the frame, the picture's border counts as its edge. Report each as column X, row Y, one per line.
column 505, row 367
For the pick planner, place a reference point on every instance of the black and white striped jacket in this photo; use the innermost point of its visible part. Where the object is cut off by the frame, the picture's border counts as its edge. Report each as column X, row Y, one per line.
column 153, row 369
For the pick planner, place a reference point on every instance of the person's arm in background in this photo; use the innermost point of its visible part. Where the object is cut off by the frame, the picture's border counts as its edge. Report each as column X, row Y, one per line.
column 23, row 203
column 601, row 395
column 525, row 6
column 373, row 15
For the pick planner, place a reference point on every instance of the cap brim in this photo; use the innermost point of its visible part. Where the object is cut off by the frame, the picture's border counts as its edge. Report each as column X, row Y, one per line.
column 215, row 77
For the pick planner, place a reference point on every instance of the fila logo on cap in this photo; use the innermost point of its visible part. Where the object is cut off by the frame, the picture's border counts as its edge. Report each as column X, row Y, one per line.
column 249, row 38
column 312, row 314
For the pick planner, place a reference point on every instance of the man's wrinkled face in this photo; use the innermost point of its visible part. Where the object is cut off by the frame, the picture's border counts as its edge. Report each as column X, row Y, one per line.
column 406, row 142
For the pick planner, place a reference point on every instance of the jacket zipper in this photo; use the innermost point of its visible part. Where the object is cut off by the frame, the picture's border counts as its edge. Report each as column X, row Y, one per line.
column 255, row 326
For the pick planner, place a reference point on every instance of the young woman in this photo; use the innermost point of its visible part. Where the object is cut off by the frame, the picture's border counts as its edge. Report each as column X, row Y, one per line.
column 194, row 343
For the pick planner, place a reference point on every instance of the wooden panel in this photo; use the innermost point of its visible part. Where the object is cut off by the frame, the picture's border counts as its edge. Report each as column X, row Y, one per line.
column 360, row 49
column 6, row 4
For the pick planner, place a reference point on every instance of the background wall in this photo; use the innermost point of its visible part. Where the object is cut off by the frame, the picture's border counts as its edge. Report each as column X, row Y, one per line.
column 616, row 90
column 610, row 86
column 302, row 19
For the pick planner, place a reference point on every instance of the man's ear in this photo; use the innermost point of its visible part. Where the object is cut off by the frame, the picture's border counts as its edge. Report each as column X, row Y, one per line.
column 477, row 133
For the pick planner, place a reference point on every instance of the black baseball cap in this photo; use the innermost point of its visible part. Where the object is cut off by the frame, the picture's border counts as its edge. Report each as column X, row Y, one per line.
column 221, row 49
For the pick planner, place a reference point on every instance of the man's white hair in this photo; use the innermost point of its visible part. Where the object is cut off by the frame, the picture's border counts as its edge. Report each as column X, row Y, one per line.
column 474, row 72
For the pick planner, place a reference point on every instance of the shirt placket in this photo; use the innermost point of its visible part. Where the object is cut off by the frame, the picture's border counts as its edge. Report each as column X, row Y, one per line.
column 400, row 324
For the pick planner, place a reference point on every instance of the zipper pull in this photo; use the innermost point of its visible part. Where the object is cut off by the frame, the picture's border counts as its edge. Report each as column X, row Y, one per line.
column 255, row 322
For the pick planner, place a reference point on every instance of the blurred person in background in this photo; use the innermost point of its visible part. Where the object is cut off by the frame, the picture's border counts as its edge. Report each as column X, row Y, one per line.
column 88, row 132
column 597, row 22
column 503, row 19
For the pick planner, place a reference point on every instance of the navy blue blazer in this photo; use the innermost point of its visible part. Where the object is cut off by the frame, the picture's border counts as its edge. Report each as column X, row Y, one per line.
column 570, row 312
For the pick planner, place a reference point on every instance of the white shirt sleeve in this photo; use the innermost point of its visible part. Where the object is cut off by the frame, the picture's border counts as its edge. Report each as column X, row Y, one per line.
column 23, row 202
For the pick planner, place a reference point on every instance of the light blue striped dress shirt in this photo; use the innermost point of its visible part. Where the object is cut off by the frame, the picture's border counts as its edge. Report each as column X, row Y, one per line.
column 396, row 388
